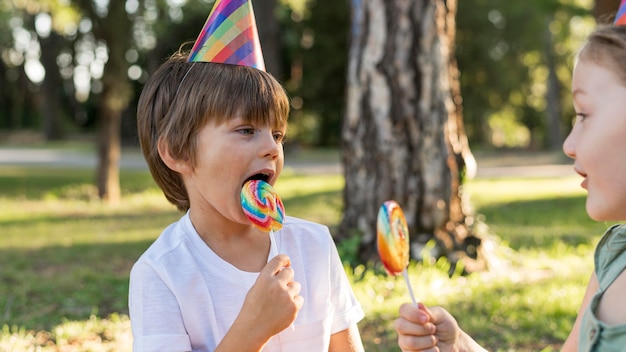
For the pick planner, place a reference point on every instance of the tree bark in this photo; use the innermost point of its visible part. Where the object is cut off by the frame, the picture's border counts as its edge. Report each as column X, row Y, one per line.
column 116, row 31
column 269, row 36
column 604, row 10
column 554, row 112
column 403, row 135
column 52, row 106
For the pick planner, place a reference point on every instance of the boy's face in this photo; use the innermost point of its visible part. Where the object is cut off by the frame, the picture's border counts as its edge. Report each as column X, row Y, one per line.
column 227, row 155
column 597, row 142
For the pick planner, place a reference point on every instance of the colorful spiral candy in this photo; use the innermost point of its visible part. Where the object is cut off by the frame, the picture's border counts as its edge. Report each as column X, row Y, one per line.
column 262, row 205
column 392, row 238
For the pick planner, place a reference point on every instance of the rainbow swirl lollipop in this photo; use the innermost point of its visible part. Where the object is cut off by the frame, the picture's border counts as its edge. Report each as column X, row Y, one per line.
column 393, row 241
column 262, row 205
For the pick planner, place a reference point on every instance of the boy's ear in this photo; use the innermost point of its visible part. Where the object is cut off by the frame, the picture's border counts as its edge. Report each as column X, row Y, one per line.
column 179, row 165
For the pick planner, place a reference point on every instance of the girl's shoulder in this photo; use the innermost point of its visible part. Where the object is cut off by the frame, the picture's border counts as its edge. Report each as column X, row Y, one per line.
column 610, row 255
column 613, row 240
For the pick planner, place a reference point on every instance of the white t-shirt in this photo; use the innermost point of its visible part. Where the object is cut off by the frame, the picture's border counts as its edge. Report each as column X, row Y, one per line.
column 183, row 297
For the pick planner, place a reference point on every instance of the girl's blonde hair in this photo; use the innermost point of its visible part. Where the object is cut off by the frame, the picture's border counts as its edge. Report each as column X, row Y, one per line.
column 607, row 46
column 181, row 97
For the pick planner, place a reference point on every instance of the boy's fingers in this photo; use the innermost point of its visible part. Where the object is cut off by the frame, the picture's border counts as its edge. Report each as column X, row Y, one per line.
column 276, row 264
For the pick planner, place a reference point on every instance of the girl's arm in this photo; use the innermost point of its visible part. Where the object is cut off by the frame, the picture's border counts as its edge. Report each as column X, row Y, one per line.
column 348, row 340
column 571, row 344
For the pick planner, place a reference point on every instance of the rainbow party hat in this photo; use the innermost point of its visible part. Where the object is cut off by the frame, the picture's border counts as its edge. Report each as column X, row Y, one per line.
column 229, row 36
column 620, row 18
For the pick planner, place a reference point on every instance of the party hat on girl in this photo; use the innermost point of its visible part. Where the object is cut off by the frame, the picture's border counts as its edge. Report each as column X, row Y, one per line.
column 229, row 36
column 620, row 18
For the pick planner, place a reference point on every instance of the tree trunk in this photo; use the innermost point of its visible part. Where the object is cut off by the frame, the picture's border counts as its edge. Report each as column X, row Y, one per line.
column 269, row 36
column 554, row 130
column 403, row 135
column 5, row 99
column 51, row 107
column 116, row 31
column 604, row 10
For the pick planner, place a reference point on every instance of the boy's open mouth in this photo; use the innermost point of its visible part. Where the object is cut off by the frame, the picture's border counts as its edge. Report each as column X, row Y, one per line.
column 259, row 176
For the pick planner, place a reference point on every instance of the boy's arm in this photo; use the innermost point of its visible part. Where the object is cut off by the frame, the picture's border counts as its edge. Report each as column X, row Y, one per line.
column 348, row 340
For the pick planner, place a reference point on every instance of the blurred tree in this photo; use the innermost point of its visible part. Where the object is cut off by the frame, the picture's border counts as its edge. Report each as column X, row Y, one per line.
column 113, row 26
column 52, row 45
column 6, row 42
column 31, row 59
column 324, row 44
column 604, row 10
column 403, row 135
column 514, row 59
column 269, row 36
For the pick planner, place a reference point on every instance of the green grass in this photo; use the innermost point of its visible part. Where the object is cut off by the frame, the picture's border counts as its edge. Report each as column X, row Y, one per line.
column 65, row 259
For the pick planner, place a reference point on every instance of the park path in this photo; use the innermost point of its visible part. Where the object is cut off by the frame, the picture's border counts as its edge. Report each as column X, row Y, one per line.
column 490, row 165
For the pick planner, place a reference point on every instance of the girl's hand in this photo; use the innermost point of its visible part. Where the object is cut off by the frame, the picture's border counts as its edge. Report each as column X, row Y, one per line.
column 431, row 329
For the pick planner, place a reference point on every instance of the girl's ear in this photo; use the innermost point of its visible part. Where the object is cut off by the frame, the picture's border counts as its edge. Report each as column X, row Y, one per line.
column 179, row 165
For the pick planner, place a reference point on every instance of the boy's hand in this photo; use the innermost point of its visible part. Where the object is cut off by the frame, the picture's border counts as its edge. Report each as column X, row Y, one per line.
column 271, row 305
column 275, row 298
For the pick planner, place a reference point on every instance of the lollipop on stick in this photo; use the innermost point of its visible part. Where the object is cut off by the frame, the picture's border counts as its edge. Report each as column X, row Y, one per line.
column 264, row 208
column 393, row 241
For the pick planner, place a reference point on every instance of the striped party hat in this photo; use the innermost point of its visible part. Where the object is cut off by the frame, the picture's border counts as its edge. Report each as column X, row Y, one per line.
column 620, row 18
column 229, row 36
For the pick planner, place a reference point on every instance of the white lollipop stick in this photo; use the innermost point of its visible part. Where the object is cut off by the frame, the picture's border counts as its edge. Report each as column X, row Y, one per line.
column 408, row 284
column 273, row 250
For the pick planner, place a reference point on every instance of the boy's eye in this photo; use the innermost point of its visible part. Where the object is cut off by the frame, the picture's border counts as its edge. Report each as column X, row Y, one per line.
column 246, row 130
column 279, row 136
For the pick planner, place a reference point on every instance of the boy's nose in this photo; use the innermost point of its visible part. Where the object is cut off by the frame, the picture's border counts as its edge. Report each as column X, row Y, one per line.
column 270, row 147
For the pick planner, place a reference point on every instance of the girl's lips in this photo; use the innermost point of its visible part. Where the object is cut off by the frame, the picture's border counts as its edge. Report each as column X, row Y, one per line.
column 584, row 176
column 578, row 171
column 584, row 183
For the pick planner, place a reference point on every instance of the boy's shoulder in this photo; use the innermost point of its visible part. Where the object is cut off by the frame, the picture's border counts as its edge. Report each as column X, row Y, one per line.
column 305, row 233
column 293, row 221
column 170, row 239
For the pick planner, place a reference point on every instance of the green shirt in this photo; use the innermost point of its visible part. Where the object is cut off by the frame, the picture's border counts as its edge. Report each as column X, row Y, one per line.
column 610, row 261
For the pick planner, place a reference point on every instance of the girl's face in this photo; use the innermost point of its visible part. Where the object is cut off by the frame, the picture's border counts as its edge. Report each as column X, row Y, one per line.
column 597, row 143
column 227, row 155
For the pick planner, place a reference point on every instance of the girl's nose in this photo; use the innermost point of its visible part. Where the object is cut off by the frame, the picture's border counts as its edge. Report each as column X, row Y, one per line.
column 569, row 144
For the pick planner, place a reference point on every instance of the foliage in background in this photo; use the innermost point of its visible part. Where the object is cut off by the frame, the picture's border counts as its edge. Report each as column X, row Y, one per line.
column 504, row 51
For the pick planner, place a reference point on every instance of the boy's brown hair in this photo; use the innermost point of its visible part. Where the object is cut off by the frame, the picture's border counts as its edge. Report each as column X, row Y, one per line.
column 181, row 97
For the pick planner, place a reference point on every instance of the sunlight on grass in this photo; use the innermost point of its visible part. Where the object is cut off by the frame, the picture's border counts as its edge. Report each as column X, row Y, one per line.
column 314, row 198
column 495, row 191
column 94, row 335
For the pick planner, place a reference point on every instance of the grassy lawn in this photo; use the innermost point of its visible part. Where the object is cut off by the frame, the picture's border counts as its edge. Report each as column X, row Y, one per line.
column 65, row 259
